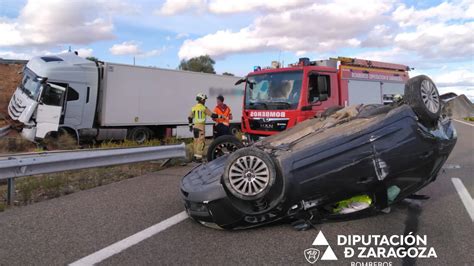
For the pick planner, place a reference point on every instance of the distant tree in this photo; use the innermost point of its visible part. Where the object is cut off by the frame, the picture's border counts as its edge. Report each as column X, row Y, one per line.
column 227, row 74
column 92, row 58
column 203, row 63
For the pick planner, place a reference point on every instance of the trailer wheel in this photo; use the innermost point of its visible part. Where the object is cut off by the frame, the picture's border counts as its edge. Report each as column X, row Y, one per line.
column 249, row 174
column 423, row 97
column 223, row 145
column 139, row 134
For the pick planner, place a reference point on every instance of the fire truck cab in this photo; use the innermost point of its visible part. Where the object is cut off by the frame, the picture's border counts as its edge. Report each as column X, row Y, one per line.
column 278, row 98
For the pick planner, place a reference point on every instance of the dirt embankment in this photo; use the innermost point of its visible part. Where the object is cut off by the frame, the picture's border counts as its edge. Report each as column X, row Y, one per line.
column 459, row 107
column 9, row 80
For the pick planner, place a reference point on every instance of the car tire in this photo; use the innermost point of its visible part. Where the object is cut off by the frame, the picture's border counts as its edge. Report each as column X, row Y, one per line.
column 423, row 97
column 249, row 174
column 139, row 134
column 223, row 145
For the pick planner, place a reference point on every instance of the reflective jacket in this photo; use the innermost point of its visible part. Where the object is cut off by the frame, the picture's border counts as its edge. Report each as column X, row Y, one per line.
column 199, row 113
column 225, row 112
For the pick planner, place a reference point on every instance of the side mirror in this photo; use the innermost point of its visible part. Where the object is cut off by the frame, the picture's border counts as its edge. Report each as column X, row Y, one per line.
column 240, row 81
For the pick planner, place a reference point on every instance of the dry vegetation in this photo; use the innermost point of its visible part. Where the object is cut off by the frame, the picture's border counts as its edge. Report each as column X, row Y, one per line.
column 41, row 187
column 9, row 80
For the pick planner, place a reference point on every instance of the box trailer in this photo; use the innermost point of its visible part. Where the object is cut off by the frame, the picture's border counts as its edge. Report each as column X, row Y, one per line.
column 103, row 101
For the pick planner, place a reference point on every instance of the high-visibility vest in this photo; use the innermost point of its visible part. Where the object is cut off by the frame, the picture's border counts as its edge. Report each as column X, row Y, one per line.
column 199, row 112
column 226, row 113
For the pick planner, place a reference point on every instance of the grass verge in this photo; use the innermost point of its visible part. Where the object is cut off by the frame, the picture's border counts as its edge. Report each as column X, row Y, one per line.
column 41, row 187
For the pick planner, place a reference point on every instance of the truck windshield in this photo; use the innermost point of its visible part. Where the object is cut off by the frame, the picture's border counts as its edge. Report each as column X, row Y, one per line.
column 274, row 91
column 30, row 84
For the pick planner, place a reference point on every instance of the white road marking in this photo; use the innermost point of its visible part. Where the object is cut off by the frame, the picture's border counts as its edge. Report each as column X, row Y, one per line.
column 465, row 196
column 123, row 244
column 466, row 123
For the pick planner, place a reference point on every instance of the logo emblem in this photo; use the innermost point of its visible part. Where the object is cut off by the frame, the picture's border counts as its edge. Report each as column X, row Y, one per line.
column 311, row 255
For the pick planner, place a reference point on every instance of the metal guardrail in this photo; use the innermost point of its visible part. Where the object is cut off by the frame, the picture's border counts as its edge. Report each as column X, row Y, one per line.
column 4, row 131
column 18, row 165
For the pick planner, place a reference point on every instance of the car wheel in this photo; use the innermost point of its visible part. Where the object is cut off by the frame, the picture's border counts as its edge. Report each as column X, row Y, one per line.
column 139, row 134
column 423, row 97
column 223, row 145
column 249, row 174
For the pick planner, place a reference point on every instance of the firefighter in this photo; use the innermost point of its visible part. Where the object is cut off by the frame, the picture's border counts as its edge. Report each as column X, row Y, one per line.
column 197, row 124
column 222, row 124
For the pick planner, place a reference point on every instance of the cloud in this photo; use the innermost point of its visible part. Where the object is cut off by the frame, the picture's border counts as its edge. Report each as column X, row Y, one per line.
column 52, row 22
column 173, row 7
column 85, row 52
column 439, row 40
column 82, row 52
column 380, row 36
column 456, row 78
column 421, row 36
column 443, row 31
column 446, row 11
column 318, row 27
column 125, row 48
column 225, row 6
column 181, row 35
column 133, row 48
column 15, row 55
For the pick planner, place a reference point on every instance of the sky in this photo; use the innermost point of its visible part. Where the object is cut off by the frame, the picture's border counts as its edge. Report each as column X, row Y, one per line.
column 435, row 38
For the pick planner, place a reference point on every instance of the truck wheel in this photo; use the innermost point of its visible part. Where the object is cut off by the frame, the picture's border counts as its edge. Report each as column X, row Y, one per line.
column 223, row 145
column 423, row 97
column 139, row 134
column 249, row 174
column 63, row 139
column 235, row 130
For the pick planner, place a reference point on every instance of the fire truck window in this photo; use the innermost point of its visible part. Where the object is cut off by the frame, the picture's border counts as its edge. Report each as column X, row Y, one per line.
column 318, row 84
column 323, row 85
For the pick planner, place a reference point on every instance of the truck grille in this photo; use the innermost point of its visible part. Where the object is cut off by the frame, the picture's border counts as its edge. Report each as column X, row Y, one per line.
column 268, row 124
column 14, row 108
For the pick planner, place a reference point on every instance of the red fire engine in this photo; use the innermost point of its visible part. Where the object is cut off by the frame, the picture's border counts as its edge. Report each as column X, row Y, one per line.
column 278, row 98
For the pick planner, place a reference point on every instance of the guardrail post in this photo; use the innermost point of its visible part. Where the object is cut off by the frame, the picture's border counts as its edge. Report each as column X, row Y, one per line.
column 11, row 190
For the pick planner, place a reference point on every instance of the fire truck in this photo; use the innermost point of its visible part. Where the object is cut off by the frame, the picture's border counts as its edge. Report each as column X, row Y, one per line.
column 277, row 98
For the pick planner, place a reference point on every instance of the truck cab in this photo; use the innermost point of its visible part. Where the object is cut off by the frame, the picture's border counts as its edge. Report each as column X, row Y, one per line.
column 54, row 91
column 279, row 98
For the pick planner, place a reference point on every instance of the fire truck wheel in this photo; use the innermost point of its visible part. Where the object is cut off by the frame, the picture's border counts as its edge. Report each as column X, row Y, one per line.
column 423, row 97
column 223, row 145
column 249, row 174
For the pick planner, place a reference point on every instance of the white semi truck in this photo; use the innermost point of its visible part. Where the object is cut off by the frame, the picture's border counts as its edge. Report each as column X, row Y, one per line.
column 105, row 101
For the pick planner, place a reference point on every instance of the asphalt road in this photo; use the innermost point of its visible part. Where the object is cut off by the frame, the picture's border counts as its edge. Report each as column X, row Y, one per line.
column 63, row 230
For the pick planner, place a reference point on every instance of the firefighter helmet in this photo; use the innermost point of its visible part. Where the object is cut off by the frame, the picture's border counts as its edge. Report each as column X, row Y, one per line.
column 201, row 97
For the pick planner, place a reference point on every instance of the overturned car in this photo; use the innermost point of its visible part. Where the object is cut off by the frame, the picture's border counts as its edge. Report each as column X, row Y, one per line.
column 381, row 153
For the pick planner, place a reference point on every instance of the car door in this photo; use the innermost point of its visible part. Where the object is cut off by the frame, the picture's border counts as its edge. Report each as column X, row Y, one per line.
column 50, row 109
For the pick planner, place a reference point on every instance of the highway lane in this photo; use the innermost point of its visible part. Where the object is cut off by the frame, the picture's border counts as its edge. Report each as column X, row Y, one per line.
column 66, row 229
